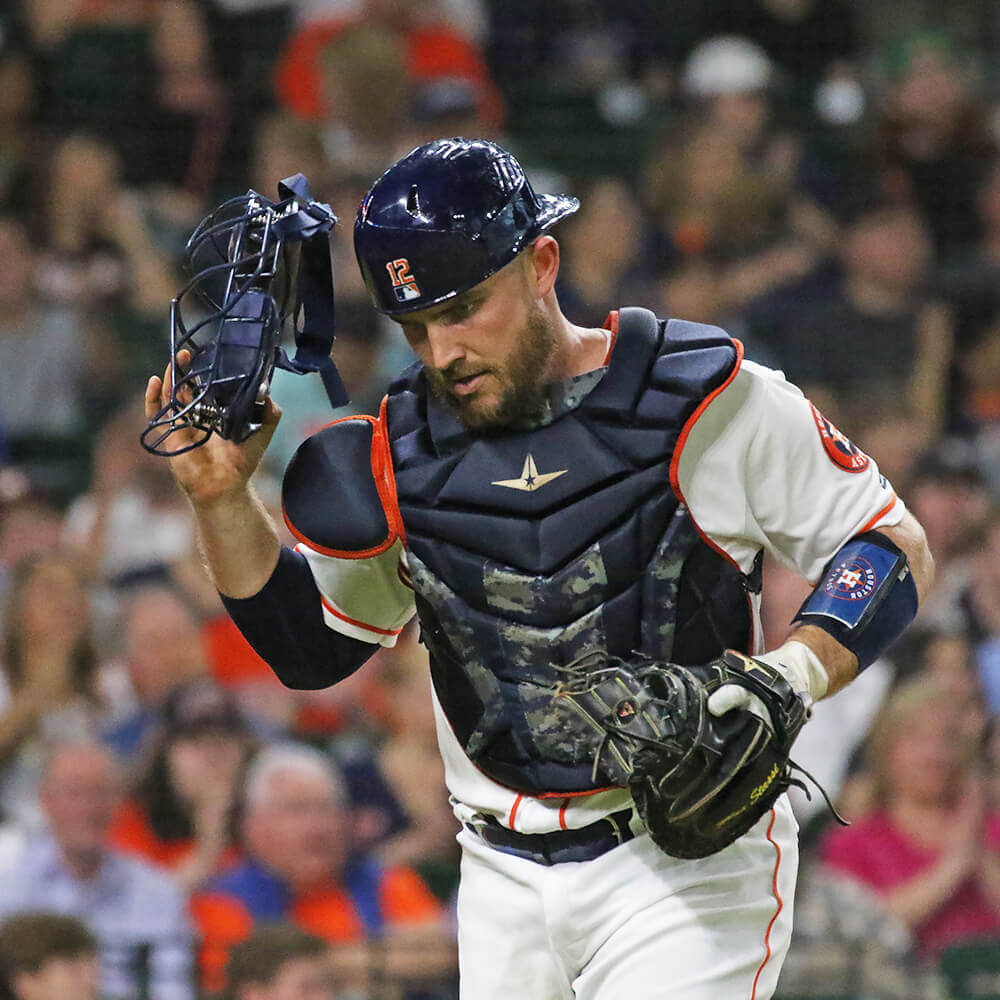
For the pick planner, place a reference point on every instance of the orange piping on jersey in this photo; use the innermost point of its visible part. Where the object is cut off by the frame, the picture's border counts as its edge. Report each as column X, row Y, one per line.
column 611, row 323
column 353, row 621
column 339, row 553
column 389, row 518
column 513, row 811
column 878, row 517
column 576, row 795
column 385, row 478
column 562, row 815
column 675, row 484
column 867, row 527
column 777, row 896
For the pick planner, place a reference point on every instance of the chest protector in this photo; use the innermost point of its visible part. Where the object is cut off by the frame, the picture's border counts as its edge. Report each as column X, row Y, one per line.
column 531, row 547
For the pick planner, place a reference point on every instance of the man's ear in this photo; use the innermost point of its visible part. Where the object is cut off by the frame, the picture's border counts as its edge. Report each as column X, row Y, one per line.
column 542, row 265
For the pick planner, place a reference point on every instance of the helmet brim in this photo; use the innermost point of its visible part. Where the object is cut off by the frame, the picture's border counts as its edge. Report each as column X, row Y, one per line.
column 553, row 207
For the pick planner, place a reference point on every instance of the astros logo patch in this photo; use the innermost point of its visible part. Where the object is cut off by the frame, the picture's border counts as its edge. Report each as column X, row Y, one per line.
column 841, row 451
column 853, row 580
column 404, row 285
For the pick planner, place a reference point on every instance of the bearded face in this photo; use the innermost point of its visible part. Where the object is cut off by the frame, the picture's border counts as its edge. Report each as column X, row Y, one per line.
column 505, row 392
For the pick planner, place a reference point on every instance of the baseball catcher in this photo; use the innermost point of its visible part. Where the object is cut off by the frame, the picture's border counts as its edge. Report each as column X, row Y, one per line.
column 701, row 769
column 546, row 499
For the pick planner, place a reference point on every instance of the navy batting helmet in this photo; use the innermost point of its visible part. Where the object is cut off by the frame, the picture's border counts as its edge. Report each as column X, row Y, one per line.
column 445, row 217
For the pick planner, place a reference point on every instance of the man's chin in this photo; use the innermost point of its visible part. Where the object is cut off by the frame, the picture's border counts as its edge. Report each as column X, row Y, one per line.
column 477, row 414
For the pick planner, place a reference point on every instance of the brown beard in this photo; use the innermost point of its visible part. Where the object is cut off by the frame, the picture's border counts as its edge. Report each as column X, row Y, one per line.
column 523, row 378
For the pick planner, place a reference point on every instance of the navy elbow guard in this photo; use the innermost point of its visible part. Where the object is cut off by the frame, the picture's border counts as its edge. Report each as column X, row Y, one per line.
column 866, row 597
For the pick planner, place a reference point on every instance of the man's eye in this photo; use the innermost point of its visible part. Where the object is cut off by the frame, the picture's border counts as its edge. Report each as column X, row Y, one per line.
column 459, row 313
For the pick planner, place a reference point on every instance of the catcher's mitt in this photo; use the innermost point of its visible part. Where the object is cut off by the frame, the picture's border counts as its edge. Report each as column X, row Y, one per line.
column 699, row 781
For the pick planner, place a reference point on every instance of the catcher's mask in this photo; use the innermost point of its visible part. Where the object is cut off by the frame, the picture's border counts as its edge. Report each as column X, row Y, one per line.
column 254, row 264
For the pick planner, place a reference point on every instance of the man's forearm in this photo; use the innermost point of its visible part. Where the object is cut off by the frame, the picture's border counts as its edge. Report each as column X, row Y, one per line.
column 284, row 623
column 840, row 664
column 239, row 542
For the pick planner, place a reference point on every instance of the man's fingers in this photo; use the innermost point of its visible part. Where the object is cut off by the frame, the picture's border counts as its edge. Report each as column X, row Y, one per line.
column 153, row 389
column 731, row 696
column 182, row 359
column 728, row 697
column 272, row 413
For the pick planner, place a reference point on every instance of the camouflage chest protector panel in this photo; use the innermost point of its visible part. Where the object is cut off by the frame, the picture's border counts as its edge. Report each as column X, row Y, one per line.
column 528, row 548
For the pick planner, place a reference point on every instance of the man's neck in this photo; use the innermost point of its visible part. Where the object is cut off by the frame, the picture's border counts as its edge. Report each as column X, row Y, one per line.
column 584, row 349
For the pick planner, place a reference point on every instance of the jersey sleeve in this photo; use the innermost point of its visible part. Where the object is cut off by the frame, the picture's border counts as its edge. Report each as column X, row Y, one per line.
column 363, row 598
column 339, row 502
column 760, row 467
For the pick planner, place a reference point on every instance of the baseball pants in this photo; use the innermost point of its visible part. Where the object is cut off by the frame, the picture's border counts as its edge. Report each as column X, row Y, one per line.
column 631, row 923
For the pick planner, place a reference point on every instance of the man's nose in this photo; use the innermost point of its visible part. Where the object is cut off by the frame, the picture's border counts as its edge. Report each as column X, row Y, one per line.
column 445, row 347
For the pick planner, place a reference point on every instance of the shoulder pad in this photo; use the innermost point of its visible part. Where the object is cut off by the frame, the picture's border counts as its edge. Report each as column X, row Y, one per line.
column 338, row 494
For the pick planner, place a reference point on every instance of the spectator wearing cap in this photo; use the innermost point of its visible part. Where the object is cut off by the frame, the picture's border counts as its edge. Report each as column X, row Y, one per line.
column 729, row 78
column 181, row 815
column 813, row 43
column 721, row 195
column 279, row 962
column 48, row 956
column 731, row 84
column 136, row 912
column 299, row 867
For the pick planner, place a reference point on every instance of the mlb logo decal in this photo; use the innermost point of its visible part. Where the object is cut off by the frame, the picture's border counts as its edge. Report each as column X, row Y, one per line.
column 406, row 293
column 840, row 450
column 854, row 580
column 404, row 285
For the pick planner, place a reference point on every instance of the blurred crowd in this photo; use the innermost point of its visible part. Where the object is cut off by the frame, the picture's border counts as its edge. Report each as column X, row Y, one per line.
column 805, row 173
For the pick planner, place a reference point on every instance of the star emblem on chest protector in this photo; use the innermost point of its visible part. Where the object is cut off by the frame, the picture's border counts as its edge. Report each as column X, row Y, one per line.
column 531, row 479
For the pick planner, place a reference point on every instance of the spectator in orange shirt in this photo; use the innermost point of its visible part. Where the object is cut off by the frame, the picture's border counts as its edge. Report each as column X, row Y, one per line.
column 181, row 816
column 299, row 867
column 430, row 48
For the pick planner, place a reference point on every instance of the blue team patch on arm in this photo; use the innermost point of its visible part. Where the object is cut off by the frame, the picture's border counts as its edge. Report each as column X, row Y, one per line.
column 847, row 590
column 866, row 597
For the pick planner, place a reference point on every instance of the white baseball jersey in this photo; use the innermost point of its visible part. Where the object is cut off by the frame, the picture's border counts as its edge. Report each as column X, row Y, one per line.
column 757, row 467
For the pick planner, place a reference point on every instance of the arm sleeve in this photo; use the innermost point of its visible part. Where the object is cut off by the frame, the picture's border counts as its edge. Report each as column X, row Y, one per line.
column 762, row 468
column 285, row 624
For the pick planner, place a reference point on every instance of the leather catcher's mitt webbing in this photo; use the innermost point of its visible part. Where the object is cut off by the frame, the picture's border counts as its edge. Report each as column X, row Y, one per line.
column 699, row 781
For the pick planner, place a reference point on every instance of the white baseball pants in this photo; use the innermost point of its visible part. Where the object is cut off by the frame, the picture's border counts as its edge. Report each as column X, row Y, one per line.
column 631, row 923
